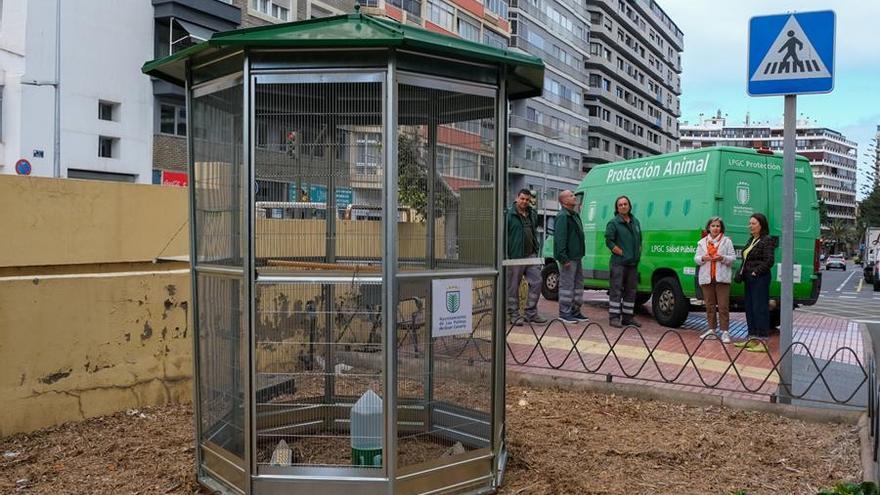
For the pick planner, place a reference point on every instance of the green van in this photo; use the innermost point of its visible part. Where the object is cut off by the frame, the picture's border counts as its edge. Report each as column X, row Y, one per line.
column 673, row 196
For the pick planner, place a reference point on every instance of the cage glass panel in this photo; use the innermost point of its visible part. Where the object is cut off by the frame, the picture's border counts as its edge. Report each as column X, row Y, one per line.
column 217, row 176
column 221, row 378
column 318, row 166
column 446, row 160
column 444, row 382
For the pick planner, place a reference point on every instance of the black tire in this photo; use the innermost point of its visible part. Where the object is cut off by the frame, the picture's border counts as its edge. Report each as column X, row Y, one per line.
column 876, row 285
column 642, row 298
column 668, row 303
column 550, row 282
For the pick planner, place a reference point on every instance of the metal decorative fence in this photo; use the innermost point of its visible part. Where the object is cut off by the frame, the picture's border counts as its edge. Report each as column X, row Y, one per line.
column 629, row 353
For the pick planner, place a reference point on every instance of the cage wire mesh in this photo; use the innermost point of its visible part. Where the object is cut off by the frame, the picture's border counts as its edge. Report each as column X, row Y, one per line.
column 446, row 168
column 318, row 167
column 318, row 338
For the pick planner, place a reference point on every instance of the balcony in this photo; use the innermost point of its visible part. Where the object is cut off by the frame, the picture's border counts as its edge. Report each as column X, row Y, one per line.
column 543, row 168
column 519, row 122
column 576, row 72
column 563, row 102
column 553, row 26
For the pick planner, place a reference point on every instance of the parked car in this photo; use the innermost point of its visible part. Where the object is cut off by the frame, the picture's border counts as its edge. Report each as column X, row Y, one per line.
column 835, row 261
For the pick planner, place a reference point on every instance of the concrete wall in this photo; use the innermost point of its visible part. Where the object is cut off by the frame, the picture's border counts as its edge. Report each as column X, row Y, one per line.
column 67, row 222
column 89, row 325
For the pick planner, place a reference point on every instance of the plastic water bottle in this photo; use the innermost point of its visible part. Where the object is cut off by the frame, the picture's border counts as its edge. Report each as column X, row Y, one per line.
column 366, row 430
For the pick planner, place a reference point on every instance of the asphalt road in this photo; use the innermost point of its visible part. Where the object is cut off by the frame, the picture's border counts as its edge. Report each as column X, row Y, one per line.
column 845, row 294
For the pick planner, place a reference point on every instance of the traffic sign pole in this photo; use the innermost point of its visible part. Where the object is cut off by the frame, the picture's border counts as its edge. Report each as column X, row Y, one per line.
column 787, row 275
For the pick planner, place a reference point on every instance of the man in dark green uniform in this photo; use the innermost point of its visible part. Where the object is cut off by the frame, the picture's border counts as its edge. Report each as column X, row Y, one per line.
column 568, row 250
column 522, row 244
column 623, row 236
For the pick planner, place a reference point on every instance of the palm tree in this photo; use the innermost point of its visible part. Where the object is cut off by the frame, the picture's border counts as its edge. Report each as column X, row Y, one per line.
column 837, row 232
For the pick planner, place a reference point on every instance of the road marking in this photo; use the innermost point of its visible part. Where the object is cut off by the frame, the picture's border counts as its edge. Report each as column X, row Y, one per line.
column 850, row 293
column 859, row 287
column 839, row 288
column 866, row 321
column 847, row 297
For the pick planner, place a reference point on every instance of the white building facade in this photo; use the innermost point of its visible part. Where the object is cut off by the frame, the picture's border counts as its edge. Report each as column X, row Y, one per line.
column 106, row 103
column 832, row 156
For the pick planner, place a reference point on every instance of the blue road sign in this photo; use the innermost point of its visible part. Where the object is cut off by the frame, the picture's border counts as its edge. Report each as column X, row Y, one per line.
column 791, row 54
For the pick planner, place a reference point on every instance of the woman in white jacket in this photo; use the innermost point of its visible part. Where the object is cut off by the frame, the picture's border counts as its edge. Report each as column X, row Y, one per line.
column 715, row 255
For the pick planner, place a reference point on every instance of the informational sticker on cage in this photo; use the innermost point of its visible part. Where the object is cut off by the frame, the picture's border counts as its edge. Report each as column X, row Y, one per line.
column 453, row 307
column 796, row 275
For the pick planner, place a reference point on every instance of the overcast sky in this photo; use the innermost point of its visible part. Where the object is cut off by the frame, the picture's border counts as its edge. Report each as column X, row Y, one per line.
column 715, row 57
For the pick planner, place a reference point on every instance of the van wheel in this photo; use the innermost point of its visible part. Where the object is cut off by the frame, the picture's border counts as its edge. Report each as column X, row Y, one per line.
column 550, row 282
column 642, row 298
column 669, row 305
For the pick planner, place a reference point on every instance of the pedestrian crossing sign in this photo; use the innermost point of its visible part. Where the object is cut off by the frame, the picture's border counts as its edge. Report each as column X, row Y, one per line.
column 791, row 54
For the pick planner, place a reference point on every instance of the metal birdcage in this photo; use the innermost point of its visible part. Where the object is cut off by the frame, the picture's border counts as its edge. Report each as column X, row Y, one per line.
column 347, row 180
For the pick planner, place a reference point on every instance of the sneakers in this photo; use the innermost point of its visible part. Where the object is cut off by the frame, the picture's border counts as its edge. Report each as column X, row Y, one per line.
column 725, row 337
column 615, row 322
column 580, row 316
column 537, row 319
column 708, row 334
column 568, row 318
column 757, row 346
column 516, row 319
column 752, row 345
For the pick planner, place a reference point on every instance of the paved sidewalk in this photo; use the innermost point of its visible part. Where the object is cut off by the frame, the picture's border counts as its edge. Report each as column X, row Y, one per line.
column 680, row 359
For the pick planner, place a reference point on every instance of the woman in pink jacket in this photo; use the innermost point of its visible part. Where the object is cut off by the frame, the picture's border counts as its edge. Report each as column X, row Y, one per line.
column 715, row 255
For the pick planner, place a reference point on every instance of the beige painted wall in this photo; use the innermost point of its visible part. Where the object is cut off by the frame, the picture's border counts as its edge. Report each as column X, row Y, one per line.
column 59, row 222
column 88, row 324
column 83, row 345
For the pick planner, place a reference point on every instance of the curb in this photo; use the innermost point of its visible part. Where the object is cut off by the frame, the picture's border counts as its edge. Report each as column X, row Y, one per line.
column 865, row 453
column 810, row 414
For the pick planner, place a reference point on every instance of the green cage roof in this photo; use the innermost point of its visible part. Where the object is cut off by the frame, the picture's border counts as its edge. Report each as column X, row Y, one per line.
column 525, row 73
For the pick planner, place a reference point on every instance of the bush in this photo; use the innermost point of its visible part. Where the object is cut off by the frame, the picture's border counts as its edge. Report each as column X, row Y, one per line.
column 865, row 488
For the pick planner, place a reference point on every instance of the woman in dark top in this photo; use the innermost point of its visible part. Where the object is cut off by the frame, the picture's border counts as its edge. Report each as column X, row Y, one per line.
column 755, row 273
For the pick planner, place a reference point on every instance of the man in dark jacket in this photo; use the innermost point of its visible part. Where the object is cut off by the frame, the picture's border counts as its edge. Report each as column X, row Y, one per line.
column 623, row 236
column 522, row 242
column 568, row 250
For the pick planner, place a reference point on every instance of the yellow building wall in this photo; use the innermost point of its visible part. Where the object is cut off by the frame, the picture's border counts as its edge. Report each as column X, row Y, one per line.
column 66, row 221
column 89, row 325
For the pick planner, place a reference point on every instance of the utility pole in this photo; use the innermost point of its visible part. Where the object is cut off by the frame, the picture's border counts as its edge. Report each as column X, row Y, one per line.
column 56, row 153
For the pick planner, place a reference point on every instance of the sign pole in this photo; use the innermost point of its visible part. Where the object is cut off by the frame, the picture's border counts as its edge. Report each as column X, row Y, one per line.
column 787, row 275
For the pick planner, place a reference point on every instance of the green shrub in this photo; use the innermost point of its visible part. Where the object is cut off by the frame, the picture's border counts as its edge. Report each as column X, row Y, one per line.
column 865, row 488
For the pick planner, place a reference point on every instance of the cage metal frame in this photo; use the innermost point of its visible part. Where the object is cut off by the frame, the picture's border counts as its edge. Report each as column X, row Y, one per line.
column 390, row 478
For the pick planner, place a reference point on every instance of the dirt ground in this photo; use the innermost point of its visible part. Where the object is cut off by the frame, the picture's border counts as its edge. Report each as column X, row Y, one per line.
column 561, row 442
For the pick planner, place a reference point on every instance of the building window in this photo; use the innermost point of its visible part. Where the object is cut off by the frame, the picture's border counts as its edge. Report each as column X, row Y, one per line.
column 441, row 14
column 413, row 7
column 494, row 39
column 280, row 12
column 468, row 30
column 73, row 173
column 261, row 6
column 497, row 7
column 368, row 153
column 172, row 119
column 108, row 110
column 108, row 147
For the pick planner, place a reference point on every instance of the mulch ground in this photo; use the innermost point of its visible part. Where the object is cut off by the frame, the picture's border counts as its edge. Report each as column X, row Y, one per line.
column 560, row 442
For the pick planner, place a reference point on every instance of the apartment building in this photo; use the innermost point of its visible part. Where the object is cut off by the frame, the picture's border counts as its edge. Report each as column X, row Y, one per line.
column 548, row 134
column 62, row 55
column 634, row 71
column 832, row 156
